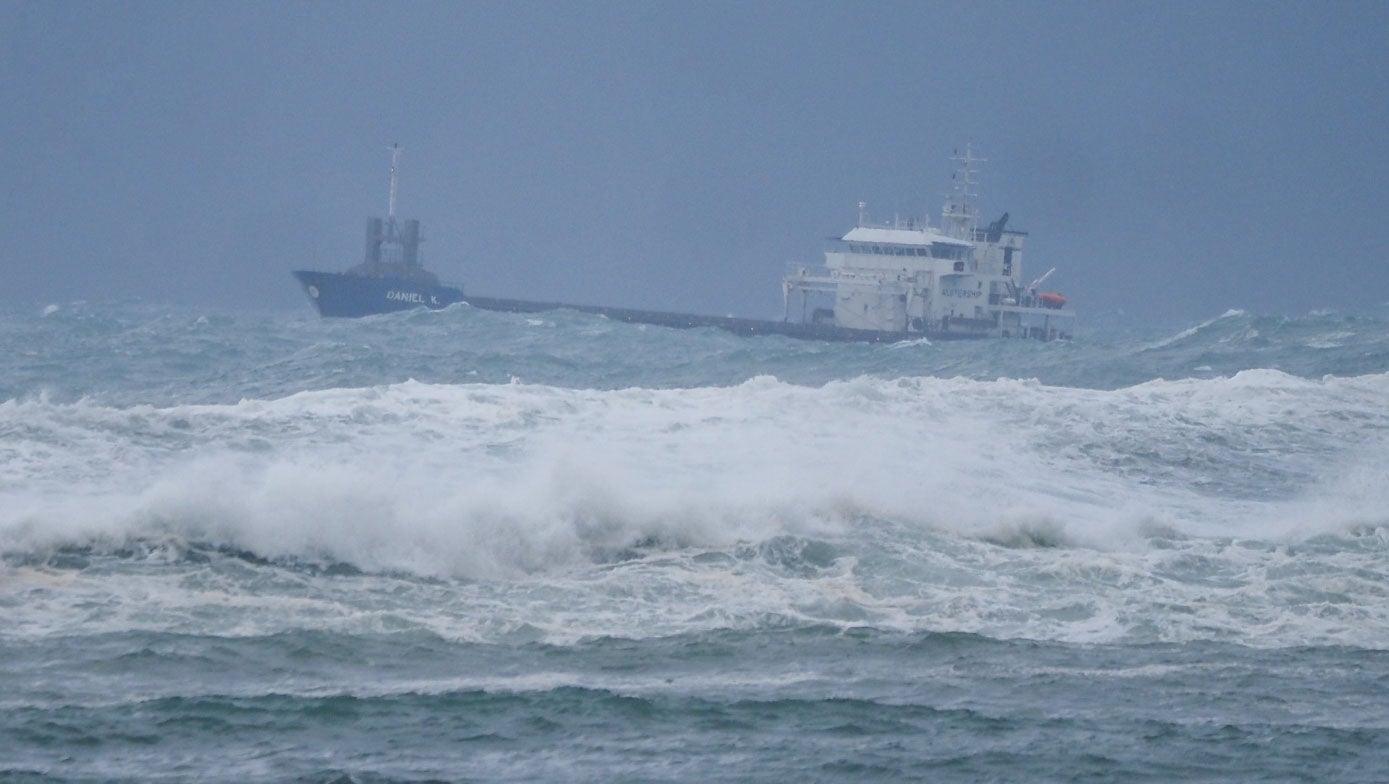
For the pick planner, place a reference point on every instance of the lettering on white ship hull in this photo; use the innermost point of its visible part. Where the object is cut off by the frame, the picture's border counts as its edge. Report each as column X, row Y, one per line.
column 412, row 297
column 961, row 293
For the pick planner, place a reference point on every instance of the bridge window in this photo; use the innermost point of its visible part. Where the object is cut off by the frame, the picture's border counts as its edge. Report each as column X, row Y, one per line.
column 943, row 251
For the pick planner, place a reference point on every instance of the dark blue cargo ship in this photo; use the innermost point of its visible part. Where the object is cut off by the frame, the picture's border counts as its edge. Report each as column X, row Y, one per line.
column 391, row 276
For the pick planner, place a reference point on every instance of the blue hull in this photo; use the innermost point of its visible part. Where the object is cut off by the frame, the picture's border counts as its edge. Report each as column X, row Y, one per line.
column 341, row 295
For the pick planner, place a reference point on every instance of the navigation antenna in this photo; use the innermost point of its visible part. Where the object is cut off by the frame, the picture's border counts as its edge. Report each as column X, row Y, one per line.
column 395, row 162
column 959, row 215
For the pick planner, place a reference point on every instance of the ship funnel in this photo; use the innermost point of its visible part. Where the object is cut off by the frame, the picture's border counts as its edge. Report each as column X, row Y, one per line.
column 376, row 234
column 995, row 231
column 410, row 243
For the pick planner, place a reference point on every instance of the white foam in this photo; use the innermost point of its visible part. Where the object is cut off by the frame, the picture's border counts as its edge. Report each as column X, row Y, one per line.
column 576, row 468
column 1003, row 507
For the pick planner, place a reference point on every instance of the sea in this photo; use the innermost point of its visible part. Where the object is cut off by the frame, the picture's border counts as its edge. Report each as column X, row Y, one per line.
column 470, row 546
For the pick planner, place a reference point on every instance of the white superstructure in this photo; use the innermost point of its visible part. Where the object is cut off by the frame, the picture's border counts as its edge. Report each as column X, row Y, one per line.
column 957, row 280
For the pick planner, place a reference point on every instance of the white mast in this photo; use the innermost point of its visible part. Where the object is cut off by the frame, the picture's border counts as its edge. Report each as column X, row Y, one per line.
column 395, row 161
column 959, row 216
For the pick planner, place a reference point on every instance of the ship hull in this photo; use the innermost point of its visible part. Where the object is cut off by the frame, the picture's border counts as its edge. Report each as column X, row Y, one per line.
column 341, row 295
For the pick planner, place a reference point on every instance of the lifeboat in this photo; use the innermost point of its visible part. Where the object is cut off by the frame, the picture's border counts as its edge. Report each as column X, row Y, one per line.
column 1051, row 299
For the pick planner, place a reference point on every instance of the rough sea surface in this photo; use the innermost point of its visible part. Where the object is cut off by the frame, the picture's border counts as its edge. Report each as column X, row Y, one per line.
column 472, row 546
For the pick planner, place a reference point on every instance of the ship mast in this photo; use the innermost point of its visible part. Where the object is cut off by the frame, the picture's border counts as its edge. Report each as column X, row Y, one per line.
column 960, row 216
column 395, row 163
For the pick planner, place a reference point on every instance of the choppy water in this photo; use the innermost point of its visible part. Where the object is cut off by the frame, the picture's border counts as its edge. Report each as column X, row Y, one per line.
column 473, row 546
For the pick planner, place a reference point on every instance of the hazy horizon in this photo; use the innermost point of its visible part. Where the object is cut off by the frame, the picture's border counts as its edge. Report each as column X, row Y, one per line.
column 1170, row 160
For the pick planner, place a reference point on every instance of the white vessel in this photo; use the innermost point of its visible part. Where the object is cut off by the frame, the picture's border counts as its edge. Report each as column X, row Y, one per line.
column 955, row 281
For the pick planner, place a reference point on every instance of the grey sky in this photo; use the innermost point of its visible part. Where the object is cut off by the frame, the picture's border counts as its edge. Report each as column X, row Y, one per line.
column 1171, row 159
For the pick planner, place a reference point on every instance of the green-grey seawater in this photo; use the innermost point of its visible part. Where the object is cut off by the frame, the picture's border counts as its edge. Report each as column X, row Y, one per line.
column 470, row 546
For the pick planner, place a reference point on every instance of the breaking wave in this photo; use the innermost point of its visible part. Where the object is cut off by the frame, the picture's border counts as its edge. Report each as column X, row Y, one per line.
column 1248, row 507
